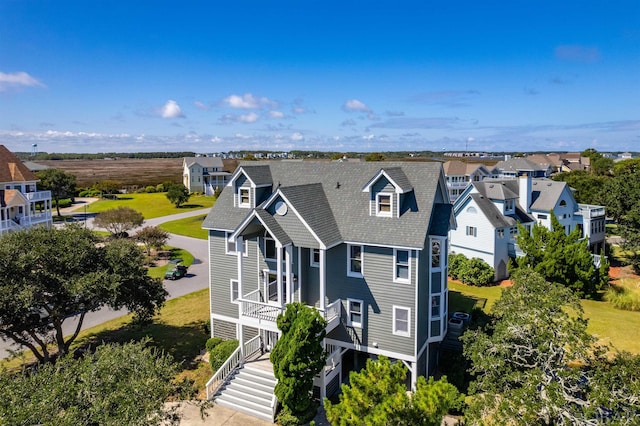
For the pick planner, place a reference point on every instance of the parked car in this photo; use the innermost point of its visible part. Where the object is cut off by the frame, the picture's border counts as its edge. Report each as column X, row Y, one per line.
column 175, row 270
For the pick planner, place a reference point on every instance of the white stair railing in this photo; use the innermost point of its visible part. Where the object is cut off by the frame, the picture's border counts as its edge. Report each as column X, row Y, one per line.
column 235, row 360
column 220, row 377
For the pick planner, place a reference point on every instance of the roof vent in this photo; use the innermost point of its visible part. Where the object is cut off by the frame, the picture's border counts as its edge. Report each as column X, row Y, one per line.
column 337, row 185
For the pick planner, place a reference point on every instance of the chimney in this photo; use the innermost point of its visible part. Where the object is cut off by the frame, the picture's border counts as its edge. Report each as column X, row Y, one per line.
column 524, row 193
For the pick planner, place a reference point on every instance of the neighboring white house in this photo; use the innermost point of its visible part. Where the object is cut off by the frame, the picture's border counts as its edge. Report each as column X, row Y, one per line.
column 204, row 174
column 21, row 204
column 487, row 214
column 460, row 174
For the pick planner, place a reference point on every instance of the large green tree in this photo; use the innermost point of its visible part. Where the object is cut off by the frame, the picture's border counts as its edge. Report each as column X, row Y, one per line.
column 535, row 363
column 297, row 357
column 152, row 237
column 60, row 183
column 622, row 198
column 50, row 275
column 117, row 385
column 178, row 194
column 119, row 220
column 599, row 165
column 588, row 186
column 377, row 395
column 561, row 258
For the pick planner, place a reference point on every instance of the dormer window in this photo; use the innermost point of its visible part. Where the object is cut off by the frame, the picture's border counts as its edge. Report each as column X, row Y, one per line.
column 384, row 204
column 509, row 204
column 244, row 199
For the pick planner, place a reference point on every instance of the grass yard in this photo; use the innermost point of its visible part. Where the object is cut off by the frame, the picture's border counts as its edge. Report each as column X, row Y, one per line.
column 178, row 330
column 611, row 325
column 150, row 205
column 189, row 227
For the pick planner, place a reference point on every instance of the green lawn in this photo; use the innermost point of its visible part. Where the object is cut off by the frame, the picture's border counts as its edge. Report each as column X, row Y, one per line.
column 150, row 205
column 189, row 227
column 620, row 328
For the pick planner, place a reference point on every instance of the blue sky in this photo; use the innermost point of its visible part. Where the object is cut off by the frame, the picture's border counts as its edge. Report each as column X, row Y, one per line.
column 104, row 76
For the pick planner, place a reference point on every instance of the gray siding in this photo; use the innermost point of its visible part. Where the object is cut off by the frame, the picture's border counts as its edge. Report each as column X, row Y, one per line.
column 223, row 268
column 379, row 294
column 223, row 329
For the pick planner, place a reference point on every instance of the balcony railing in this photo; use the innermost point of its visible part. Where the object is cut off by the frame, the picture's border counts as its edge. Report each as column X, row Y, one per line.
column 590, row 211
column 253, row 306
column 38, row 195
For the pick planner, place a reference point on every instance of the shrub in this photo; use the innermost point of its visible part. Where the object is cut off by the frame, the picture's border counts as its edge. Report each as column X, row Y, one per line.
column 160, row 187
column 476, row 272
column 212, row 343
column 456, row 263
column 622, row 298
column 221, row 352
column 150, row 189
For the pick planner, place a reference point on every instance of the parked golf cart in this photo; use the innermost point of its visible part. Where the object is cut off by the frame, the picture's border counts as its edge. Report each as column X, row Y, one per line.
column 175, row 270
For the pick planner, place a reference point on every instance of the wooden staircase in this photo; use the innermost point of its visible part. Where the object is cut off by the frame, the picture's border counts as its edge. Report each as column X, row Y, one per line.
column 250, row 390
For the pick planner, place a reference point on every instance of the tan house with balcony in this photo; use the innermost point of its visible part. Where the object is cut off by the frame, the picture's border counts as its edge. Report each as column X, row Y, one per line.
column 21, row 204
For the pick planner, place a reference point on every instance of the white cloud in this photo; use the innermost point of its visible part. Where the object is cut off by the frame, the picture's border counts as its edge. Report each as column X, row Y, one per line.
column 297, row 136
column 276, row 114
column 252, row 117
column 355, row 105
column 16, row 80
column 248, row 101
column 171, row 110
column 201, row 106
column 368, row 137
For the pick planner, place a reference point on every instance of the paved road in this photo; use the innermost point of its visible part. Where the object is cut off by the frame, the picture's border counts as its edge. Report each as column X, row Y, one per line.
column 197, row 277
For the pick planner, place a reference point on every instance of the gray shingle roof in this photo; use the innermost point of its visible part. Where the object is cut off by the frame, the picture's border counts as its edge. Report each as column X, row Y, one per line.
column 311, row 203
column 343, row 213
column 397, row 175
column 545, row 193
column 498, row 189
column 204, row 161
column 519, row 164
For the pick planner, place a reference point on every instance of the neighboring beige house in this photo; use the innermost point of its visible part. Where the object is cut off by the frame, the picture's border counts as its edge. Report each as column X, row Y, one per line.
column 21, row 204
column 460, row 174
column 204, row 174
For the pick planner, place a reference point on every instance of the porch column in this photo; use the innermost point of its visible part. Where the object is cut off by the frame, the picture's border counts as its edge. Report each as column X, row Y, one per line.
column 413, row 370
column 239, row 250
column 279, row 272
column 323, row 278
column 289, row 282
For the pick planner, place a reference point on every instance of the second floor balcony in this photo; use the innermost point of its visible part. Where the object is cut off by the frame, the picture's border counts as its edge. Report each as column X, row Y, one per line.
column 260, row 311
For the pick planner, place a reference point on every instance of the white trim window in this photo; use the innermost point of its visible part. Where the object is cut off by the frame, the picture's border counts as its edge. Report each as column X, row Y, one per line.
column 231, row 247
column 436, row 253
column 402, row 266
column 234, row 290
column 402, row 321
column 354, row 260
column 270, row 249
column 435, row 306
column 244, row 197
column 314, row 257
column 355, row 313
column 384, row 204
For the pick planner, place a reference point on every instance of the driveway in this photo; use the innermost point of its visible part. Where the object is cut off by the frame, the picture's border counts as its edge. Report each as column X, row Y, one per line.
column 197, row 277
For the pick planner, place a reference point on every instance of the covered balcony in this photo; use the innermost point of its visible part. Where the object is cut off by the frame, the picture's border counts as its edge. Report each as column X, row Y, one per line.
column 262, row 312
